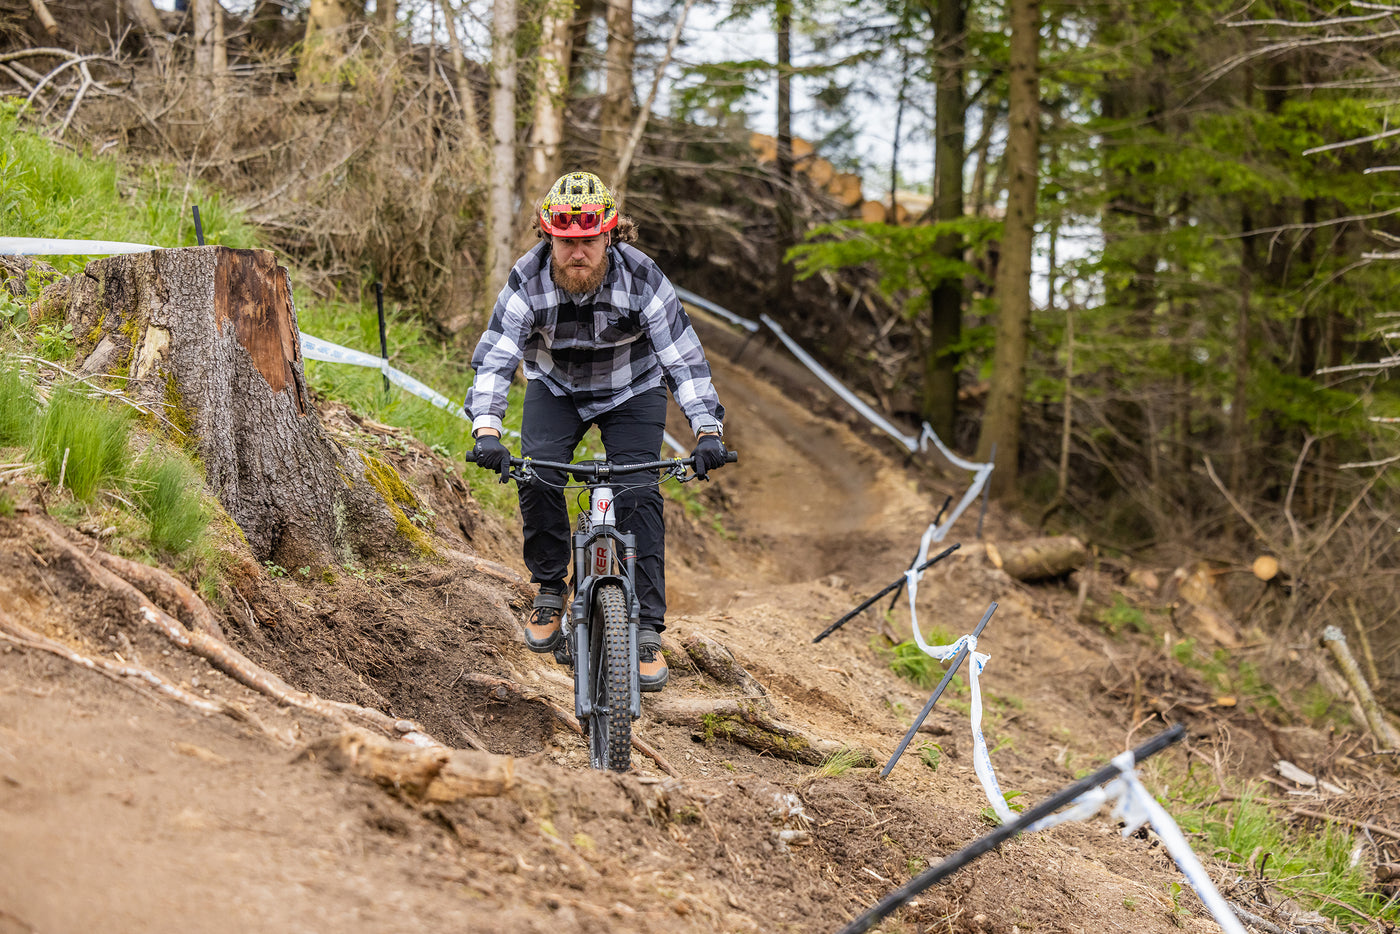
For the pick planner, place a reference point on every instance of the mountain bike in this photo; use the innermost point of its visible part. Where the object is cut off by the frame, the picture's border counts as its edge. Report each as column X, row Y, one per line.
column 599, row 632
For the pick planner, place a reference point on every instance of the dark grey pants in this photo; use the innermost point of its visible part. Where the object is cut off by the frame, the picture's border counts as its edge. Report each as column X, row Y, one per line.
column 550, row 429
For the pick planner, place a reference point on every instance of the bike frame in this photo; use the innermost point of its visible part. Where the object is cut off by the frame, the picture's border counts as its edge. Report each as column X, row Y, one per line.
column 602, row 554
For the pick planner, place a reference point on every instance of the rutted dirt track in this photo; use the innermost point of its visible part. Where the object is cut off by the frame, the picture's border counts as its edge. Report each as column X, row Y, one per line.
column 122, row 812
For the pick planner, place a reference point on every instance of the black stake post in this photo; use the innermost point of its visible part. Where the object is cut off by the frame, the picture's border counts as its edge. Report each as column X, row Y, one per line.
column 938, row 691
column 887, row 905
column 383, row 334
column 900, row 589
column 857, row 611
column 198, row 227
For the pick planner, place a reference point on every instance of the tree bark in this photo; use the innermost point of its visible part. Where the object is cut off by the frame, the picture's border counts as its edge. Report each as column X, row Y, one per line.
column 145, row 15
column 502, row 188
column 1001, row 425
column 786, row 234
column 323, row 43
column 545, row 148
column 209, row 335
column 946, row 299
column 615, row 121
column 466, row 98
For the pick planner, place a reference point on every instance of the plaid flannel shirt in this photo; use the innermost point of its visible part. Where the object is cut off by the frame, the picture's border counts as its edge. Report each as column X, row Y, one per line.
column 600, row 349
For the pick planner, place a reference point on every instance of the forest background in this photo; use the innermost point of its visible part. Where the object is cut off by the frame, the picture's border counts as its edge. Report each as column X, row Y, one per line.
column 1209, row 380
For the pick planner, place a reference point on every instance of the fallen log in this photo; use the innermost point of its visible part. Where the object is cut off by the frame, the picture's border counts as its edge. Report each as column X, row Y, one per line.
column 718, row 662
column 754, row 723
column 1039, row 558
column 436, row 774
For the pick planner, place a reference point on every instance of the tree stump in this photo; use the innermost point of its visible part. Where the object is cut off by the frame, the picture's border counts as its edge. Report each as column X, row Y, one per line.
column 209, row 336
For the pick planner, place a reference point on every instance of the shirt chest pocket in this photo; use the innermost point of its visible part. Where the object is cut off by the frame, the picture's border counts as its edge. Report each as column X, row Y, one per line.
column 614, row 326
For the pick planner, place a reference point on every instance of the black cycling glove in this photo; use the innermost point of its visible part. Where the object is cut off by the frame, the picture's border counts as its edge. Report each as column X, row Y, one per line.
column 709, row 455
column 491, row 454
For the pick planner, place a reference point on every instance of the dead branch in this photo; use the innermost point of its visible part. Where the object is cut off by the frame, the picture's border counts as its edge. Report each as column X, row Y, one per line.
column 1361, row 824
column 226, row 658
column 45, row 17
column 1336, row 643
column 143, row 680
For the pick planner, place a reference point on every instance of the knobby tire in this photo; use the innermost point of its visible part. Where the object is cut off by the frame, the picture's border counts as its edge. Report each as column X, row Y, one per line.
column 610, row 733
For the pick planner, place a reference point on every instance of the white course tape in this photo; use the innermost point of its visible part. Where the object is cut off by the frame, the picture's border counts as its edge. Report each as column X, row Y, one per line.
column 42, row 246
column 689, row 296
column 1135, row 806
column 981, row 758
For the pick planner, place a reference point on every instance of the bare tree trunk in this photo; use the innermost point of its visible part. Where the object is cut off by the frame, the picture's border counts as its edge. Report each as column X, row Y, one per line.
column 946, row 299
column 786, row 235
column 209, row 336
column 1001, row 425
column 503, row 194
column 466, row 99
column 545, row 148
column 323, row 44
column 46, row 19
column 615, row 121
column 145, row 15
column 624, row 162
column 204, row 43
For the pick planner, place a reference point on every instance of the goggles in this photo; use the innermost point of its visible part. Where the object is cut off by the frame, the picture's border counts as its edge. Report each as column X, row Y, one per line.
column 588, row 218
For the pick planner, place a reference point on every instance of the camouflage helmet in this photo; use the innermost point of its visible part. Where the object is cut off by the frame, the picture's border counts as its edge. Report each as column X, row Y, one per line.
column 579, row 205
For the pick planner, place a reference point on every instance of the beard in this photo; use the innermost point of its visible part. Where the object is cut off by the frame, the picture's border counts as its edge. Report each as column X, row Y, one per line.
column 580, row 280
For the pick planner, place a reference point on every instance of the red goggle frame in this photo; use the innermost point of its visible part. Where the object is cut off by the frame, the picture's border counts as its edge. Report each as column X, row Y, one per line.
column 588, row 218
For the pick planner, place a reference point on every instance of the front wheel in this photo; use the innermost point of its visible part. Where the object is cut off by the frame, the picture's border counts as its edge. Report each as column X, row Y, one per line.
column 610, row 729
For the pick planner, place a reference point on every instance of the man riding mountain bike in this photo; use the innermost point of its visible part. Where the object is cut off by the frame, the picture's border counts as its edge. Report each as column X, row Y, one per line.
column 603, row 336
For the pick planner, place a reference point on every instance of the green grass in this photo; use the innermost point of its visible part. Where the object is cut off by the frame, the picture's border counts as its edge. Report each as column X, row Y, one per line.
column 837, row 764
column 18, row 406
column 49, row 191
column 909, row 661
column 80, row 444
column 167, row 489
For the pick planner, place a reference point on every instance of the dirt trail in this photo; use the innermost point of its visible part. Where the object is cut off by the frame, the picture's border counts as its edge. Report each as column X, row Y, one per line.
column 120, row 813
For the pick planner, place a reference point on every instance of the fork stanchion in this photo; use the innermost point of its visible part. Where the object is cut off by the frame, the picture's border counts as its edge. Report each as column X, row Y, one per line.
column 858, row 610
column 937, row 693
column 914, row 560
column 890, row 903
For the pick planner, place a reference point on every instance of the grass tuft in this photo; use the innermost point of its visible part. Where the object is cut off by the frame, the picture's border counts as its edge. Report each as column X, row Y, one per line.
column 18, row 407
column 81, row 441
column 168, row 493
column 837, row 764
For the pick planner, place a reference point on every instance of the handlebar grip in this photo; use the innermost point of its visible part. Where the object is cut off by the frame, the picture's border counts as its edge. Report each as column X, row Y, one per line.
column 470, row 456
column 731, row 457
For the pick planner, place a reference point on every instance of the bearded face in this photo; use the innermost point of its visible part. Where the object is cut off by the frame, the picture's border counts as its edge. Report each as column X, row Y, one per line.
column 579, row 264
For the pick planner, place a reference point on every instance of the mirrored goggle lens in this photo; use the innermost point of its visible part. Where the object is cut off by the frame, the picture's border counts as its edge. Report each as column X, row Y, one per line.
column 586, row 220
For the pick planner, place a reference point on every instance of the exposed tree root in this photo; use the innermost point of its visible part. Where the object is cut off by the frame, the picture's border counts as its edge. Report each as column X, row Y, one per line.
column 143, row 680
column 491, row 569
column 226, row 658
column 753, row 722
column 503, row 688
column 157, row 583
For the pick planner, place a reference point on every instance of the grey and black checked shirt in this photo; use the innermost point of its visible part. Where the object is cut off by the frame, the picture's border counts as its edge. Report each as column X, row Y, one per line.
column 600, row 349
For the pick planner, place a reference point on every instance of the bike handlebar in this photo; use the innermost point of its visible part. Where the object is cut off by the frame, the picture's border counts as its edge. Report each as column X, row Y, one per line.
column 585, row 470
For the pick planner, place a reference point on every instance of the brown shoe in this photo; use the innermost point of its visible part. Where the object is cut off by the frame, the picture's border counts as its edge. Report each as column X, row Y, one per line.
column 542, row 631
column 651, row 664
